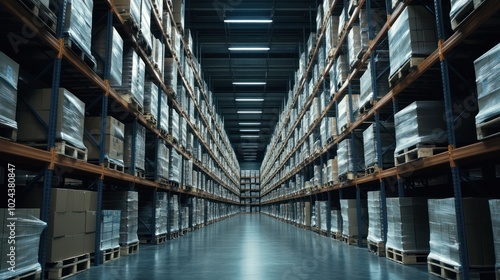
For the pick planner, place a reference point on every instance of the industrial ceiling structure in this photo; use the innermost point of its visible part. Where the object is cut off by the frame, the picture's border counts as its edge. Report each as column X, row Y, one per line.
column 279, row 29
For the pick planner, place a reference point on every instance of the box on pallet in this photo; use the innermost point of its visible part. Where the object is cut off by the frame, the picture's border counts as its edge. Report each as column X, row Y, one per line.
column 9, row 75
column 350, row 157
column 128, row 203
column 139, row 139
column 99, row 44
column 349, row 213
column 151, row 99
column 78, row 24
column 69, row 123
column 387, row 141
column 130, row 10
column 367, row 93
column 495, row 225
column 115, row 136
column 150, row 225
column 133, row 75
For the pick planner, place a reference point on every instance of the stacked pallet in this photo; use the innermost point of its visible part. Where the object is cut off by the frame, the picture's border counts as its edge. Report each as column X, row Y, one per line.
column 153, row 228
column 350, row 158
column 100, row 45
column 351, row 227
column 9, row 76
column 135, row 142
column 115, row 136
column 110, row 235
column 370, row 147
column 374, row 239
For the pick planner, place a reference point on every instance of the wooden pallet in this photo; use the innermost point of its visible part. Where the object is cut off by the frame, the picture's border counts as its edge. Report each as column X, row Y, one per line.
column 110, row 165
column 349, row 176
column 417, row 152
column 129, row 249
column 323, row 232
column 452, row 272
column 65, row 149
column 497, row 274
column 150, row 118
column 352, row 239
column 173, row 235
column 80, row 52
column 367, row 106
column 8, row 133
column 137, row 172
column 132, row 102
column 378, row 248
column 158, row 239
column 110, row 254
column 464, row 12
column 371, row 169
column 403, row 71
column 143, row 44
column 68, row 267
column 337, row 235
column 488, row 129
column 409, row 257
column 30, row 275
column 43, row 13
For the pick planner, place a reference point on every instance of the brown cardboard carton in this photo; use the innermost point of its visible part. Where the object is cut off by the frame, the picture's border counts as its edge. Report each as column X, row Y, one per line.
column 90, row 220
column 89, row 243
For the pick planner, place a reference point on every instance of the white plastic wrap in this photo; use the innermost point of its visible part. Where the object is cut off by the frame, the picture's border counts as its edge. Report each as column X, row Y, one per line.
column 151, row 98
column 342, row 23
column 419, row 123
column 444, row 237
column 332, row 170
column 140, row 144
column 366, row 90
column 115, row 137
column 335, row 222
column 174, row 124
column 175, row 165
column 145, row 27
column 374, row 217
column 407, row 224
column 377, row 21
column 9, row 70
column 323, row 208
column 457, row 5
column 146, row 221
column 164, row 112
column 487, row 68
column 8, row 104
column 354, row 44
column 495, row 225
column 130, row 10
column 99, row 45
column 128, row 203
column 387, row 142
column 345, row 154
column 110, row 229
column 133, row 76
column 78, row 23
column 344, row 113
column 170, row 74
column 173, row 216
column 412, row 34
column 27, row 240
column 349, row 215
column 188, row 173
column 342, row 69
column 311, row 43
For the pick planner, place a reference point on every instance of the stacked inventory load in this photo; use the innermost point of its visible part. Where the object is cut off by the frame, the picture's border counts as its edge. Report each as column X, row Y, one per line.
column 173, row 215
column 175, row 166
column 336, row 224
column 367, row 92
column 407, row 229
column 130, row 10
column 174, row 125
column 151, row 101
column 350, row 157
column 170, row 74
column 444, row 247
column 110, row 229
column 128, row 203
column 149, row 225
column 78, row 25
column 375, row 220
column 164, row 113
column 69, row 123
column 323, row 210
column 145, row 27
column 135, row 143
column 9, row 75
column 27, row 231
column 495, row 225
column 115, row 137
column 133, row 75
column 487, row 69
column 386, row 142
column 116, row 61
column 347, row 107
column 411, row 37
column 351, row 225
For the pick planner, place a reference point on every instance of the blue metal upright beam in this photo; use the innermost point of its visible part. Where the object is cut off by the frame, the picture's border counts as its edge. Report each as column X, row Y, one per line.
column 455, row 173
column 51, row 136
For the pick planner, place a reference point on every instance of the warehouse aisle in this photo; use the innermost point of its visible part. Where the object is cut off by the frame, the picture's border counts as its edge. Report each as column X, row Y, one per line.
column 252, row 246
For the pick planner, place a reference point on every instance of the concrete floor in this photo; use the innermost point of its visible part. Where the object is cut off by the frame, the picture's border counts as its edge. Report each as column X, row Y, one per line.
column 253, row 246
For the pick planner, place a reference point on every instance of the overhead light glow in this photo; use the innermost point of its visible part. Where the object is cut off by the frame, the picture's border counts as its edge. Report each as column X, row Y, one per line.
column 249, row 112
column 248, row 48
column 249, row 130
column 249, row 99
column 250, row 123
column 248, row 20
column 249, row 136
column 248, row 83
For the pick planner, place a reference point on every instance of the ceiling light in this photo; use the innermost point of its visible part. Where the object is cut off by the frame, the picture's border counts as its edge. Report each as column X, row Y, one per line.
column 250, row 123
column 249, row 130
column 250, row 112
column 248, row 20
column 248, row 48
column 249, row 99
column 249, row 136
column 248, row 83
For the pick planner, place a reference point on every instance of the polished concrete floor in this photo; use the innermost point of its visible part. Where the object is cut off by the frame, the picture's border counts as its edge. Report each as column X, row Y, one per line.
column 253, row 246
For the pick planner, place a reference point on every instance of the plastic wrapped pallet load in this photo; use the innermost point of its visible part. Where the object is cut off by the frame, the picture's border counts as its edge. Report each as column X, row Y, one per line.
column 78, row 23
column 354, row 44
column 350, row 225
column 444, row 246
column 28, row 229
column 331, row 35
column 413, row 34
column 378, row 18
column 173, row 216
column 151, row 99
column 336, row 223
column 115, row 137
column 387, row 144
column 69, row 123
column 350, row 157
column 9, row 75
column 139, row 139
column 164, row 113
column 149, row 225
column 487, row 69
column 133, row 75
column 145, row 25
column 345, row 106
column 170, row 73
column 323, row 210
column 174, row 166
column 128, row 203
column 174, row 124
column 110, row 229
column 374, row 217
column 367, row 94
column 407, row 225
column 129, row 10
column 421, row 122
column 116, row 61
column 495, row 225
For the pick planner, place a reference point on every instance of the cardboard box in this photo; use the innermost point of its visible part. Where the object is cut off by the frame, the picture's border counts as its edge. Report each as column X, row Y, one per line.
column 66, row 223
column 89, row 243
column 90, row 221
column 90, row 201
column 64, row 247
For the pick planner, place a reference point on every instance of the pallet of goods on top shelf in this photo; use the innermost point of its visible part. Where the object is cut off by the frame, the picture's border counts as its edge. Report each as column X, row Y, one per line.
column 132, row 88
column 412, row 37
column 367, row 97
column 461, row 10
column 9, row 76
column 99, row 45
column 370, row 147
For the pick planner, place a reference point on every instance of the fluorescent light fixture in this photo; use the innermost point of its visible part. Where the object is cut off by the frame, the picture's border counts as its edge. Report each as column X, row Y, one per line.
column 248, row 20
column 249, row 99
column 250, row 112
column 248, row 83
column 248, row 48
column 249, row 136
column 249, row 130
column 250, row 123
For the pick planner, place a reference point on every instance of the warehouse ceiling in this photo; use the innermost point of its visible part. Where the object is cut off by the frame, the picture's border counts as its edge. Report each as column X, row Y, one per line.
column 285, row 37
